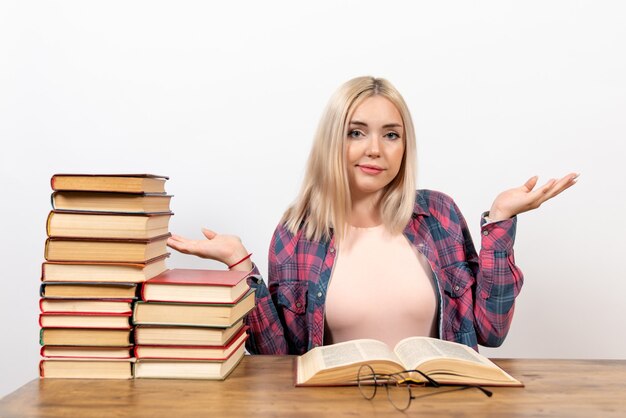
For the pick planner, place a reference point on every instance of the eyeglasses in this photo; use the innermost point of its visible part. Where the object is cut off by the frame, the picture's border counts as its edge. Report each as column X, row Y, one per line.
column 398, row 385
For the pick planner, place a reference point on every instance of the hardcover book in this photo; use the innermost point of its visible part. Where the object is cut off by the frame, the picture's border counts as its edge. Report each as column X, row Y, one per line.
column 85, row 337
column 191, row 352
column 97, row 272
column 205, row 315
column 182, row 335
column 85, row 320
column 119, row 306
column 111, row 202
column 109, row 250
column 86, row 290
column 202, row 286
column 73, row 224
column 123, row 183
column 187, row 369
column 68, row 351
column 87, row 368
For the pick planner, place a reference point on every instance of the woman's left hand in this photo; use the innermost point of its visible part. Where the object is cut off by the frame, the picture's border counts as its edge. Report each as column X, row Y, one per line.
column 522, row 199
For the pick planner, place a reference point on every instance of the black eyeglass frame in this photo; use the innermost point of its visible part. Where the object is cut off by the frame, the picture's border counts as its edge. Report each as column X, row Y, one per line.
column 398, row 378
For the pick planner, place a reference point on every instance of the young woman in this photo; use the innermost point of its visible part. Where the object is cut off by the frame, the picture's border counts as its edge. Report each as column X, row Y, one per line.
column 362, row 254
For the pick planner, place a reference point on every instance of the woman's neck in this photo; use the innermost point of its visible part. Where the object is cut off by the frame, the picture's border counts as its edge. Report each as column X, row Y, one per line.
column 365, row 212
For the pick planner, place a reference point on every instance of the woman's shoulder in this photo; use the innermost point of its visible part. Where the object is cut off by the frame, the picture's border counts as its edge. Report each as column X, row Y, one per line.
column 432, row 200
column 441, row 207
column 286, row 243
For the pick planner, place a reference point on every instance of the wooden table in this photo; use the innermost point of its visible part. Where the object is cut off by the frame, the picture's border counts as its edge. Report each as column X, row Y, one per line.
column 263, row 386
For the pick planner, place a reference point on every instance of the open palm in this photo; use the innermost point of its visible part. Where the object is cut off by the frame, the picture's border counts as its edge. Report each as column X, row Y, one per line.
column 522, row 199
column 224, row 248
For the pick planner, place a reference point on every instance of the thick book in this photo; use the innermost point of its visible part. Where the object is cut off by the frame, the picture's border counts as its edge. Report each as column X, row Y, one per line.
column 97, row 272
column 444, row 361
column 85, row 337
column 191, row 352
column 85, row 320
column 187, row 369
column 75, row 224
column 111, row 202
column 69, row 351
column 114, row 306
column 86, row 290
column 105, row 250
column 181, row 335
column 85, row 368
column 123, row 183
column 193, row 314
column 201, row 286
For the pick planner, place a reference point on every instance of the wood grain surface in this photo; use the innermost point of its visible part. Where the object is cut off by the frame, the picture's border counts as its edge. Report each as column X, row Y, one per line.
column 263, row 386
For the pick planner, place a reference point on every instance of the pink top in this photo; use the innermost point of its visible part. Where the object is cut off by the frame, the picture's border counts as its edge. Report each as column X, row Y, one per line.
column 381, row 287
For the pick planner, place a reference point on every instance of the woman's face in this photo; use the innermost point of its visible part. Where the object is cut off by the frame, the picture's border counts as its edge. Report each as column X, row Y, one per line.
column 374, row 146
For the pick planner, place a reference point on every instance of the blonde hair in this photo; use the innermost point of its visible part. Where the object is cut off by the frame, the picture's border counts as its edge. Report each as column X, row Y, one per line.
column 324, row 201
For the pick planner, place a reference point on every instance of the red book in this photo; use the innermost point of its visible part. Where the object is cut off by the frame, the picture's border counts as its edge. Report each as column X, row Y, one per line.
column 85, row 320
column 196, row 286
column 70, row 351
column 192, row 352
column 73, row 306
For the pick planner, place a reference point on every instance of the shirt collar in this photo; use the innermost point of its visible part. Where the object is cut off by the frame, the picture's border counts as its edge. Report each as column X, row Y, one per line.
column 421, row 205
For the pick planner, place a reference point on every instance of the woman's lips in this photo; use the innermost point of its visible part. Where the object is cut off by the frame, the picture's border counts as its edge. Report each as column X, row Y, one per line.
column 370, row 169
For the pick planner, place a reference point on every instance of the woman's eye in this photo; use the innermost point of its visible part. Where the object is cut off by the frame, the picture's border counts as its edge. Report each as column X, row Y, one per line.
column 392, row 135
column 355, row 134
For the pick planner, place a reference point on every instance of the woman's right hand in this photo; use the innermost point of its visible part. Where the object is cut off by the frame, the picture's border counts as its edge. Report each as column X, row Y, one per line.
column 227, row 249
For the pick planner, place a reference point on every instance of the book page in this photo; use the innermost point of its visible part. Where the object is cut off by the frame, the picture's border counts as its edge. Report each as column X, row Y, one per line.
column 416, row 350
column 356, row 351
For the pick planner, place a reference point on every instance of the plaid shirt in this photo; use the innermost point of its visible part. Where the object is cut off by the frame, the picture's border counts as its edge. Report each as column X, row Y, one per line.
column 476, row 292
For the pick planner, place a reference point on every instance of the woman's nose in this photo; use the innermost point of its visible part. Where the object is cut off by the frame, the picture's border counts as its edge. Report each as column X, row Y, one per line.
column 373, row 147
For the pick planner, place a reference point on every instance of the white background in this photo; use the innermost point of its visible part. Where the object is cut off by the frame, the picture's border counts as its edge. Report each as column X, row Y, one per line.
column 224, row 98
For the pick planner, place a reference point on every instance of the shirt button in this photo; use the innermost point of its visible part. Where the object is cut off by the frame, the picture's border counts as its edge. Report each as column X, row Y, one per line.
column 485, row 233
column 456, row 288
column 298, row 305
column 332, row 250
column 319, row 294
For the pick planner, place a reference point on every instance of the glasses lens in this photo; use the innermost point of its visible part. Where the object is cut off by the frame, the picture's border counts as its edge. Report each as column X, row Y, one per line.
column 367, row 381
column 399, row 394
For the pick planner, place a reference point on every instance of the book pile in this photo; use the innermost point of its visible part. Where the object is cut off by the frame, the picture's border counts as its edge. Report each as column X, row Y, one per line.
column 190, row 324
column 106, row 234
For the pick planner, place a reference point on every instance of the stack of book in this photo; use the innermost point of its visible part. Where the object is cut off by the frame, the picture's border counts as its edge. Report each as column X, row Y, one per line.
column 106, row 234
column 189, row 324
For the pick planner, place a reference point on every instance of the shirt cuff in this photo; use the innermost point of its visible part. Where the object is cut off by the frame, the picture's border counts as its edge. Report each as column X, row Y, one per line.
column 254, row 276
column 498, row 235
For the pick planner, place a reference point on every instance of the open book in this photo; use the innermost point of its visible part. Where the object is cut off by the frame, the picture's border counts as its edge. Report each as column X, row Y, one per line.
column 444, row 361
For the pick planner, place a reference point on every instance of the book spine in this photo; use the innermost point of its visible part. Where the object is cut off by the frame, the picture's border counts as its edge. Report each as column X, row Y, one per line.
column 45, row 249
column 76, row 313
column 48, row 221
column 52, row 181
column 41, row 342
column 40, row 307
column 142, row 292
column 134, row 316
column 41, row 369
column 52, row 201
